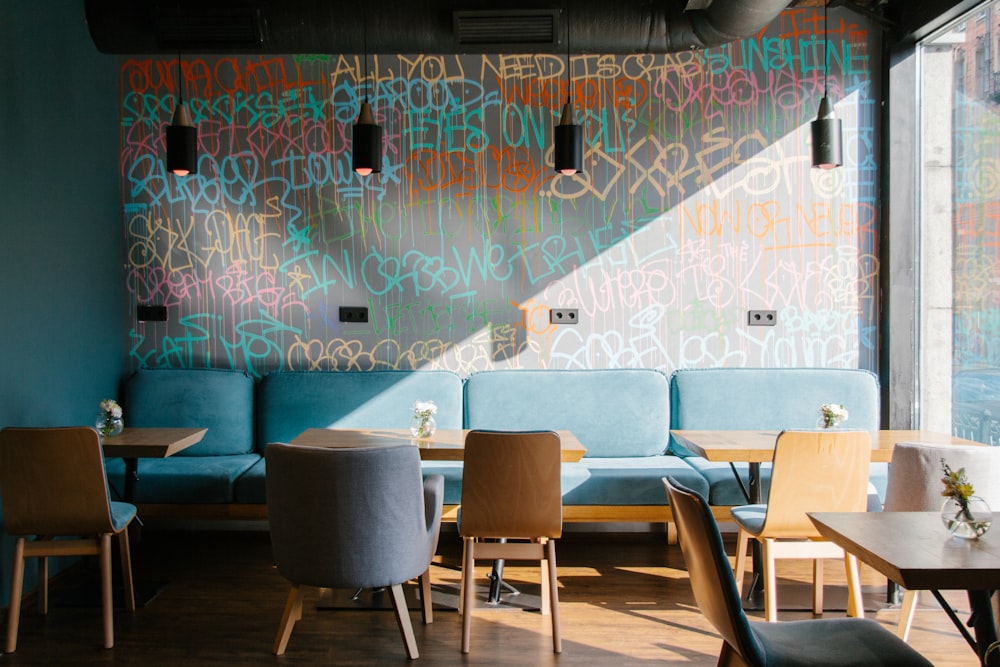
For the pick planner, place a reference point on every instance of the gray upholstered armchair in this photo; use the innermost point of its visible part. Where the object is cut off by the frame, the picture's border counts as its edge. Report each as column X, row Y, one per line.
column 352, row 518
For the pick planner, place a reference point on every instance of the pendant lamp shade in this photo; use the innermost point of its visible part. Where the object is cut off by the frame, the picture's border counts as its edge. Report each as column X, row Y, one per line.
column 182, row 143
column 826, row 137
column 366, row 151
column 568, row 142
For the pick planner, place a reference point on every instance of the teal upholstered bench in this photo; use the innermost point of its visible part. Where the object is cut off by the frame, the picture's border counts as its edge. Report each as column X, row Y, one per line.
column 620, row 415
column 767, row 399
column 290, row 402
column 204, row 474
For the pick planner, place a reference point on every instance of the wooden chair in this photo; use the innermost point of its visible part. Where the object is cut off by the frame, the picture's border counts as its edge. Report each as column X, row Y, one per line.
column 830, row 642
column 511, row 496
column 352, row 518
column 914, row 485
column 53, row 485
column 812, row 471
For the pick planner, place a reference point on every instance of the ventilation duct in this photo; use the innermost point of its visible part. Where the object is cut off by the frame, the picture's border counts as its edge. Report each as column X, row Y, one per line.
column 421, row 26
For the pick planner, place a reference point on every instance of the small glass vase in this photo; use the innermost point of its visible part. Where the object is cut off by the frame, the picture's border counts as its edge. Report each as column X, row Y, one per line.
column 108, row 426
column 971, row 523
column 422, row 427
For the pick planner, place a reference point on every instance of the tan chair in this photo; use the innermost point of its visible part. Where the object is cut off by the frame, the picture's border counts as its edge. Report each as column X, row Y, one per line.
column 53, row 485
column 914, row 485
column 812, row 471
column 511, row 496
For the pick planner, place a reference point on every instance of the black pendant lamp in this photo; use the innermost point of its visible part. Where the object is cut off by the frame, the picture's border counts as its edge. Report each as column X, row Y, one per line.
column 366, row 149
column 827, row 151
column 568, row 137
column 182, row 135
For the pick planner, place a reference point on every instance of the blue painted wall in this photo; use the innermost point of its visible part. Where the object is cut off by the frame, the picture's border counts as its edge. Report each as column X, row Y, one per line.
column 62, row 340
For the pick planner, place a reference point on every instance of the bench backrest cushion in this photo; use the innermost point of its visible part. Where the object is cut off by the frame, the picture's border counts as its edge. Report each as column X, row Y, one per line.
column 291, row 401
column 612, row 412
column 219, row 400
column 770, row 398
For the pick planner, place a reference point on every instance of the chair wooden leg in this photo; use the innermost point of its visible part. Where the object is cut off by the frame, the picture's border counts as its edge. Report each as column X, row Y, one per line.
column 292, row 613
column 461, row 584
column 403, row 621
column 545, row 570
column 427, row 604
column 125, row 554
column 43, row 585
column 16, row 585
column 107, row 600
column 553, row 580
column 855, row 603
column 730, row 658
column 817, row 585
column 770, row 583
column 906, row 610
column 742, row 542
column 468, row 590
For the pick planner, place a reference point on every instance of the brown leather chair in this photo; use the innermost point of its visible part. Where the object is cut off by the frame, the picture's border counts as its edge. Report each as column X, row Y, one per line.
column 511, row 510
column 823, row 642
column 812, row 471
column 53, row 485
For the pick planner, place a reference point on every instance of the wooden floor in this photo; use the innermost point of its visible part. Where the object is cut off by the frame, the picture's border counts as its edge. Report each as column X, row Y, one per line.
column 625, row 600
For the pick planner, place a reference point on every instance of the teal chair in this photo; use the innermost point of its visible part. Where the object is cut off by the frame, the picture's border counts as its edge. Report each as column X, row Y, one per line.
column 831, row 642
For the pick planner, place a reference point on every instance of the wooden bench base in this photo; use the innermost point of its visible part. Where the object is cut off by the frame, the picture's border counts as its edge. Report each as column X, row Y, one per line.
column 571, row 513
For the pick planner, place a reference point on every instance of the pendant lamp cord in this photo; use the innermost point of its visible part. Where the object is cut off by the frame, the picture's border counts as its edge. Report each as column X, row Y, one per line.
column 568, row 83
column 826, row 49
column 364, row 21
column 180, row 81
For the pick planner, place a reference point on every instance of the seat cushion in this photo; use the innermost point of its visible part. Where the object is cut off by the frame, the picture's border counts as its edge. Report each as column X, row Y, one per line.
column 834, row 642
column 178, row 479
column 634, row 480
column 121, row 514
column 750, row 517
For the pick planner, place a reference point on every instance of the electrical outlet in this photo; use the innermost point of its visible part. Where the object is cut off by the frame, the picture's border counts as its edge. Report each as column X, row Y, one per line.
column 348, row 314
column 563, row 316
column 150, row 313
column 762, row 318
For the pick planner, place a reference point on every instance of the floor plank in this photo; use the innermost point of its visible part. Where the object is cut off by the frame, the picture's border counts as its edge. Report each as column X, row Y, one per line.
column 625, row 600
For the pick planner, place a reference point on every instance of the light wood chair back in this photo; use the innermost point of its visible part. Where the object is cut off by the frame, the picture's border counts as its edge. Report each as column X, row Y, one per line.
column 815, row 471
column 812, row 471
column 511, row 510
column 53, row 484
column 510, row 485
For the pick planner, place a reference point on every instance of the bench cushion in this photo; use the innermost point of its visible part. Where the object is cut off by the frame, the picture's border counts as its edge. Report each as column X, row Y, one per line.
column 617, row 412
column 290, row 402
column 220, row 400
column 634, row 480
column 769, row 398
column 183, row 479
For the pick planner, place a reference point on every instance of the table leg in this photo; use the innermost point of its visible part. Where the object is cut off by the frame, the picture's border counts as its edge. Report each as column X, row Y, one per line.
column 983, row 623
column 756, row 592
column 131, row 479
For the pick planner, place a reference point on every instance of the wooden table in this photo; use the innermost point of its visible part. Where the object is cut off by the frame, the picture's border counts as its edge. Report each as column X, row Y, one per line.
column 914, row 550
column 155, row 443
column 444, row 445
column 757, row 446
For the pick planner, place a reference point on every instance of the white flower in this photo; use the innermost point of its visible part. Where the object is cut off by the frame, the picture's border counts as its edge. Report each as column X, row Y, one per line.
column 833, row 413
column 424, row 408
column 111, row 408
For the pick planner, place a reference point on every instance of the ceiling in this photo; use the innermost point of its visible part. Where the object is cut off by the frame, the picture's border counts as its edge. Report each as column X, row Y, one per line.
column 459, row 26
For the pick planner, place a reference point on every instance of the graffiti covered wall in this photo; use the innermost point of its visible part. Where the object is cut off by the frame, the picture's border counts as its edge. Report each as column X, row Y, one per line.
column 697, row 203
